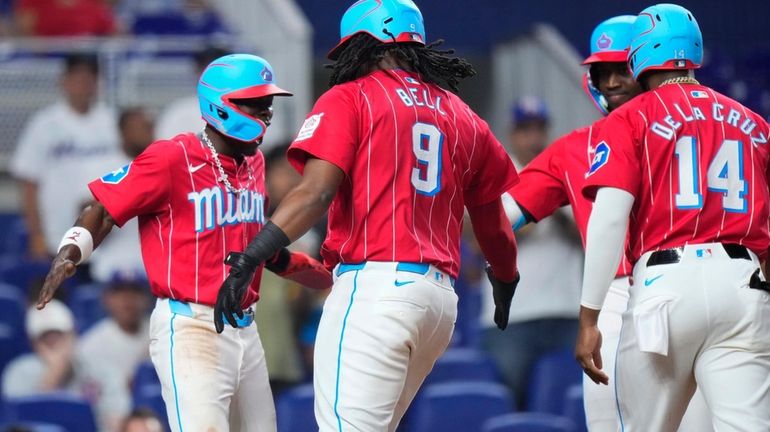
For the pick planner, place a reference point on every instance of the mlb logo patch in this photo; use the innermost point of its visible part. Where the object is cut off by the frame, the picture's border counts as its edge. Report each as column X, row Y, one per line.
column 601, row 156
column 703, row 253
column 309, row 126
column 411, row 80
column 698, row 94
column 116, row 176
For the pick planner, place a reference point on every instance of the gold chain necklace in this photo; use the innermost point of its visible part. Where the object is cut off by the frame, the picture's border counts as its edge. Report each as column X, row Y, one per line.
column 680, row 80
column 222, row 175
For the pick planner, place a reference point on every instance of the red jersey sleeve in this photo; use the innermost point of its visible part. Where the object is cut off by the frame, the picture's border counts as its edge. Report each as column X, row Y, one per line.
column 615, row 158
column 492, row 168
column 141, row 187
column 330, row 131
column 541, row 189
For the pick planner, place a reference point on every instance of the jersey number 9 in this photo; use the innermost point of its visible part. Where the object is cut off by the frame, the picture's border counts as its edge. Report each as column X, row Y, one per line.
column 427, row 142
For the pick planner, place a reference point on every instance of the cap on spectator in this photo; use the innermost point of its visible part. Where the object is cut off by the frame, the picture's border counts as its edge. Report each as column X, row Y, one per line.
column 529, row 108
column 56, row 316
column 127, row 280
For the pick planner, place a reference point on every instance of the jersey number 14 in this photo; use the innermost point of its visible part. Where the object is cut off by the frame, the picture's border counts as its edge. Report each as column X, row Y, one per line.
column 724, row 175
column 427, row 143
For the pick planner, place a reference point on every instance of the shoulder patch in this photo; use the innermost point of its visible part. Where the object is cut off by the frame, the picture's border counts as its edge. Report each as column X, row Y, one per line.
column 116, row 176
column 309, row 126
column 601, row 156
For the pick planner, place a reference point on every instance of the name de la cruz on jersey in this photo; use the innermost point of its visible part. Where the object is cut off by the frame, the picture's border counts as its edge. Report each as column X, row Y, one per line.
column 215, row 208
column 670, row 125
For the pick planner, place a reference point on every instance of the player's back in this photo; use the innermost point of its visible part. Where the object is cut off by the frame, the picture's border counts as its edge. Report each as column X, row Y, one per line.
column 704, row 170
column 414, row 160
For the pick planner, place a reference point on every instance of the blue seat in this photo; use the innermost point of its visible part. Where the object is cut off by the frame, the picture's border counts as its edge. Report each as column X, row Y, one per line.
column 85, row 302
column 458, row 406
column 294, row 410
column 573, row 407
column 22, row 272
column 13, row 339
column 145, row 375
column 66, row 410
column 32, row 427
column 529, row 422
column 551, row 376
column 463, row 364
column 13, row 237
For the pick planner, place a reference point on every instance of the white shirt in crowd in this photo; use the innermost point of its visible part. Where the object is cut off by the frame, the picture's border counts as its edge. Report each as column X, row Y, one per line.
column 180, row 116
column 123, row 351
column 93, row 379
column 62, row 151
column 551, row 268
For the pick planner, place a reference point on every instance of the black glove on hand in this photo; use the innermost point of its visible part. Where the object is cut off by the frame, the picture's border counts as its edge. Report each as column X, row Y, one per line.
column 233, row 289
column 502, row 293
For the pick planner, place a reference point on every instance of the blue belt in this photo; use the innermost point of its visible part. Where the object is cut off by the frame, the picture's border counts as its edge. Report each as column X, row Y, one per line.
column 418, row 268
column 184, row 309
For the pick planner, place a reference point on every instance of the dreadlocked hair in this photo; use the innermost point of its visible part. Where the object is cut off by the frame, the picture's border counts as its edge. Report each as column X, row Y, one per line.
column 362, row 52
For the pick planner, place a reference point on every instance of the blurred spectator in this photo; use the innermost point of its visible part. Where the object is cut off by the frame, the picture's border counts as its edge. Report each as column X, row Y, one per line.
column 543, row 315
column 64, row 18
column 61, row 149
column 122, row 339
column 121, row 252
column 141, row 420
column 529, row 134
column 171, row 17
column 184, row 115
column 55, row 365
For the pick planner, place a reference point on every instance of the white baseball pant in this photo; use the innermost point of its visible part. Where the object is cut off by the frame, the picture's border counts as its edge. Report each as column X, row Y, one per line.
column 599, row 400
column 695, row 321
column 383, row 326
column 210, row 382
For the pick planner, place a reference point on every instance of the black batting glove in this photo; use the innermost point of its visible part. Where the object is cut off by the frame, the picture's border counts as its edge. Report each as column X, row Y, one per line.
column 502, row 293
column 233, row 289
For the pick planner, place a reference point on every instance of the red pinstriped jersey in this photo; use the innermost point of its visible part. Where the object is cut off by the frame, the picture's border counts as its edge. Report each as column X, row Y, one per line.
column 696, row 162
column 414, row 155
column 188, row 221
column 555, row 178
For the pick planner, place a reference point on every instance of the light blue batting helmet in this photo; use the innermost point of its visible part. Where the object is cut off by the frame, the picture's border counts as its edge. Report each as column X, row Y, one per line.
column 385, row 20
column 610, row 40
column 609, row 43
column 232, row 77
column 666, row 36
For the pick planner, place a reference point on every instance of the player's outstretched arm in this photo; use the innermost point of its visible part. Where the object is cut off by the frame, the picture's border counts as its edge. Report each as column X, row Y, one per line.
column 297, row 213
column 605, row 240
column 301, row 268
column 90, row 229
column 495, row 236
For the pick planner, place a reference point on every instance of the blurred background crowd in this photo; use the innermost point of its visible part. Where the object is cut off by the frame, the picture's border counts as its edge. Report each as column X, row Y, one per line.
column 86, row 85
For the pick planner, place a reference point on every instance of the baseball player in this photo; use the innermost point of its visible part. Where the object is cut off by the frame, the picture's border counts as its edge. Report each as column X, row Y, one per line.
column 556, row 177
column 690, row 167
column 196, row 196
column 395, row 158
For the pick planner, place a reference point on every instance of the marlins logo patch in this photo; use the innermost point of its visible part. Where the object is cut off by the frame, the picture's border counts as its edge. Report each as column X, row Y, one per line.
column 601, row 156
column 116, row 176
column 604, row 42
column 267, row 75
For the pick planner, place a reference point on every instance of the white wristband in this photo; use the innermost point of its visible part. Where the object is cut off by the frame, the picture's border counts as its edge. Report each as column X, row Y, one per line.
column 81, row 238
